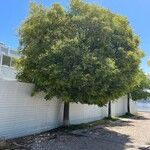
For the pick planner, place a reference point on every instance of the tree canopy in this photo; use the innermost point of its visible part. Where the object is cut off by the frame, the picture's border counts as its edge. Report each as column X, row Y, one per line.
column 142, row 91
column 84, row 54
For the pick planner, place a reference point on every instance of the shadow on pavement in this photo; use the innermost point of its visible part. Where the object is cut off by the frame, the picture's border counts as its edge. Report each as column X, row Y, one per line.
column 139, row 117
column 99, row 138
column 120, row 123
column 91, row 138
column 144, row 148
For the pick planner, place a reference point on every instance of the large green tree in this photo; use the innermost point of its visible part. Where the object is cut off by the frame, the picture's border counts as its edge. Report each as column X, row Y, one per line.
column 85, row 54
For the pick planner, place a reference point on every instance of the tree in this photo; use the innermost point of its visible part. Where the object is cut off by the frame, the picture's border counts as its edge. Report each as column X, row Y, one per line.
column 121, row 46
column 136, row 82
column 85, row 54
column 140, row 91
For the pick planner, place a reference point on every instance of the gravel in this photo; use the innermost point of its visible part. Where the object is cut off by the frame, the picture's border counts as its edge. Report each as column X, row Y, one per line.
column 124, row 134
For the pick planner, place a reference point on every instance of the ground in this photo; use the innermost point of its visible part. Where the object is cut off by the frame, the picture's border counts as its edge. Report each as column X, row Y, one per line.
column 124, row 134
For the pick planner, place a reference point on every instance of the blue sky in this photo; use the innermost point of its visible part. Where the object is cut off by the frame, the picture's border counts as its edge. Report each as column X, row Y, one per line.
column 13, row 12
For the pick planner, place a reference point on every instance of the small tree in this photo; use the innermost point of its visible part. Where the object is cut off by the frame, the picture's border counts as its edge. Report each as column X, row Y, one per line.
column 140, row 91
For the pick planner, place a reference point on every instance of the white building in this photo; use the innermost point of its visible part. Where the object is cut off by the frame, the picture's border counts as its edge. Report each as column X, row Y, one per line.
column 7, row 62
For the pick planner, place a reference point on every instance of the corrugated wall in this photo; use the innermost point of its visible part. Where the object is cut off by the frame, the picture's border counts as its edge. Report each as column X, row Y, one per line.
column 21, row 114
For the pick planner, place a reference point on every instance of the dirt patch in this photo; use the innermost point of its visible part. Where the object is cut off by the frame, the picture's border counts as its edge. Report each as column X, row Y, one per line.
column 125, row 133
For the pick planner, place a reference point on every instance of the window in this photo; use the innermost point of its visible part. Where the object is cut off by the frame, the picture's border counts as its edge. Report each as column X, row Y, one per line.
column 6, row 60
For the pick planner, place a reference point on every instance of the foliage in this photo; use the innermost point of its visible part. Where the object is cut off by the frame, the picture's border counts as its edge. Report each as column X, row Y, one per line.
column 142, row 91
column 85, row 54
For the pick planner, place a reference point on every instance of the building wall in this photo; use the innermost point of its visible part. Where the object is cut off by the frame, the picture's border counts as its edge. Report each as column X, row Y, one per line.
column 21, row 114
column 7, row 73
column 80, row 113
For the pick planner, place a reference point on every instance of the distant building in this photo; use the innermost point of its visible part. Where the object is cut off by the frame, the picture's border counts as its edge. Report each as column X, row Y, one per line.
column 7, row 62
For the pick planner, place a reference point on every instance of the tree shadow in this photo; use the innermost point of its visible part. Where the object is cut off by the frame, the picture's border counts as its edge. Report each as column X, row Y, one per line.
column 140, row 117
column 96, row 139
column 84, row 136
column 135, row 117
column 120, row 123
column 144, row 148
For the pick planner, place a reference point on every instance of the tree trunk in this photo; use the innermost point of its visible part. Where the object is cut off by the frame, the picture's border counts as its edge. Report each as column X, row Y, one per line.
column 128, row 103
column 66, row 114
column 109, row 109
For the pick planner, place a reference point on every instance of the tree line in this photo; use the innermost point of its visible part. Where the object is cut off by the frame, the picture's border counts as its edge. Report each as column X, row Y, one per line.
column 83, row 54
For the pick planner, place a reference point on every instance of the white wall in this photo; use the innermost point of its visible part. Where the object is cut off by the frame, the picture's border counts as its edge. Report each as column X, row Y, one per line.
column 82, row 113
column 7, row 73
column 21, row 114
column 119, row 107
